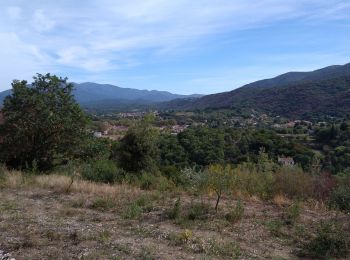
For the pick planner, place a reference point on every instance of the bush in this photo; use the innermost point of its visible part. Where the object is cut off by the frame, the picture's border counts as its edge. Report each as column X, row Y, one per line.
column 175, row 211
column 133, row 211
column 340, row 198
column 172, row 173
column 198, row 211
column 294, row 183
column 143, row 204
column 330, row 241
column 102, row 171
column 2, row 175
column 293, row 213
column 150, row 181
column 275, row 227
column 103, row 203
column 236, row 214
column 250, row 181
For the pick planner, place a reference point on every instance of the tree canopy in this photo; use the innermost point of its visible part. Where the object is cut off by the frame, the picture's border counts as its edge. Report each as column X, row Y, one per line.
column 43, row 124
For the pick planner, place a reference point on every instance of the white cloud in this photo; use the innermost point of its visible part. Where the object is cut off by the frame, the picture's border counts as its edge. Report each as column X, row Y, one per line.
column 19, row 60
column 104, row 35
column 41, row 21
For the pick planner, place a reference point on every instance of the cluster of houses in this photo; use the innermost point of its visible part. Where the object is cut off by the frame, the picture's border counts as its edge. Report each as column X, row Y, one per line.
column 286, row 161
column 136, row 114
column 292, row 124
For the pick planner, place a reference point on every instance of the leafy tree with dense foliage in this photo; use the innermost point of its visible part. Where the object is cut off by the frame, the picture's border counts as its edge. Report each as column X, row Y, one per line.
column 203, row 146
column 43, row 123
column 138, row 150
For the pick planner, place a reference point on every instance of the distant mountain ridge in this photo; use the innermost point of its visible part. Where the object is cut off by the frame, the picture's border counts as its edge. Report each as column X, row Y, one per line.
column 293, row 94
column 90, row 94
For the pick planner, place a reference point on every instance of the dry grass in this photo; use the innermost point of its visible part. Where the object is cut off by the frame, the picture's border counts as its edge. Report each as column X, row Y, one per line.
column 60, row 183
column 13, row 179
column 38, row 217
column 281, row 200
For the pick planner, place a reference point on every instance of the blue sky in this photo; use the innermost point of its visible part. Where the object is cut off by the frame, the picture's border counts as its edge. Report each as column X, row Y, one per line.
column 182, row 46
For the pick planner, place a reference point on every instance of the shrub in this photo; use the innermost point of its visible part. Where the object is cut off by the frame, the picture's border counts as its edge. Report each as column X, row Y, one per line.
column 198, row 211
column 185, row 235
column 143, row 204
column 330, row 241
column 172, row 173
column 150, row 181
column 229, row 250
column 2, row 175
column 218, row 179
column 236, row 214
column 147, row 180
column 103, row 203
column 275, row 226
column 101, row 171
column 250, row 181
column 293, row 183
column 323, row 185
column 292, row 213
column 133, row 211
column 340, row 198
column 175, row 211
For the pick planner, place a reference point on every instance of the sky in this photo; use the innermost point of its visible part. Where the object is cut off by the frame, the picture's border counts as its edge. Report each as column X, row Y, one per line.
column 181, row 46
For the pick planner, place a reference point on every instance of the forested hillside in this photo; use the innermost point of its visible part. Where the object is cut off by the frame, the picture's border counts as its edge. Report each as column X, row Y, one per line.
column 324, row 92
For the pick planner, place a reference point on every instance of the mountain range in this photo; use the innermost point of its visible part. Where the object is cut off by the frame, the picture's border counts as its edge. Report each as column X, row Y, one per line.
column 323, row 92
column 94, row 96
column 294, row 94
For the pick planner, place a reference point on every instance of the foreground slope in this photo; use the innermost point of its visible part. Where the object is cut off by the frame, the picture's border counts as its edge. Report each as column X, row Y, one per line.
column 39, row 219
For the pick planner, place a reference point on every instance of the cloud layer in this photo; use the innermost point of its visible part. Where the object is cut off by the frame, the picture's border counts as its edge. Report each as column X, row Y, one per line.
column 98, row 39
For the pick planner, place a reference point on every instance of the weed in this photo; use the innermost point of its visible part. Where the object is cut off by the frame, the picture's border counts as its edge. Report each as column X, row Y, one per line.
column 180, row 238
column 104, row 236
column 2, row 176
column 133, row 211
column 198, row 211
column 53, row 235
column 103, row 203
column 79, row 203
column 222, row 249
column 236, row 214
column 145, row 202
column 123, row 248
column 292, row 213
column 8, row 205
column 175, row 211
column 147, row 253
column 275, row 226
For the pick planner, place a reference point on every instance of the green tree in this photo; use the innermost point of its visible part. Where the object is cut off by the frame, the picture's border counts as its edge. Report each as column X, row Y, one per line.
column 138, row 149
column 43, row 123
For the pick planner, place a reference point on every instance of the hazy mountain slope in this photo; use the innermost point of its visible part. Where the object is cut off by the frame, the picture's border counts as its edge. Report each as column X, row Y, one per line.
column 294, row 94
column 93, row 94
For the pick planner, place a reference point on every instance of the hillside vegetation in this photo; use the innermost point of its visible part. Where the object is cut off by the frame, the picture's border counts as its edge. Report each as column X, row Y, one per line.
column 205, row 191
column 324, row 92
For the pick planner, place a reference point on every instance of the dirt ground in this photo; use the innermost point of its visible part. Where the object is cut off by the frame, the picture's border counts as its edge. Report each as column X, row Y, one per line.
column 43, row 223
